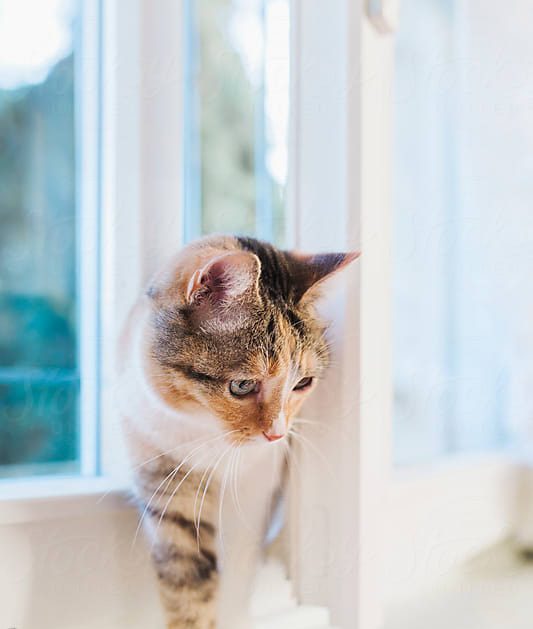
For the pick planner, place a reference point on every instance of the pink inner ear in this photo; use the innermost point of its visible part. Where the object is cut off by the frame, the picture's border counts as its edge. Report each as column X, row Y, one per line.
column 224, row 278
column 194, row 286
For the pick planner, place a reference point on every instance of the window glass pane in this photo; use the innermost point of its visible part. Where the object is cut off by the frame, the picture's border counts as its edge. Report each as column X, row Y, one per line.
column 39, row 380
column 237, row 113
column 463, row 295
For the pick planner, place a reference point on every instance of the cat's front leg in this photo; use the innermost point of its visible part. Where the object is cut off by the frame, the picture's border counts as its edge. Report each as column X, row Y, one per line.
column 184, row 551
column 188, row 583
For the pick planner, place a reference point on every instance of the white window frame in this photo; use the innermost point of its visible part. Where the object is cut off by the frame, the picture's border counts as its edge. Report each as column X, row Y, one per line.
column 14, row 492
column 340, row 198
column 130, row 218
column 372, row 527
column 340, row 173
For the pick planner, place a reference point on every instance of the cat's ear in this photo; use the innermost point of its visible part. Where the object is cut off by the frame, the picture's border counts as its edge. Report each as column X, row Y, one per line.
column 308, row 271
column 225, row 286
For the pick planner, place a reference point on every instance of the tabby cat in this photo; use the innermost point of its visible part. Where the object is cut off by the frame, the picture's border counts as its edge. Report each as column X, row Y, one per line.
column 217, row 358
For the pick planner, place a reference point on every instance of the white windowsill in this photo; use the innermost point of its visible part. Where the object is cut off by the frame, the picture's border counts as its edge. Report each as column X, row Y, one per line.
column 446, row 513
column 460, row 462
column 274, row 605
column 45, row 498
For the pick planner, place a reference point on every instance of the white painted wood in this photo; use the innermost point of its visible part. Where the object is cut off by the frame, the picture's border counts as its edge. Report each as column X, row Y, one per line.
column 375, row 421
column 274, row 606
column 340, row 521
column 41, row 499
column 121, row 237
column 441, row 515
column 492, row 591
column 384, row 15
column 84, row 572
column 161, row 91
column 87, row 99
column 341, row 175
column 130, row 133
column 523, row 520
column 142, row 174
column 339, row 172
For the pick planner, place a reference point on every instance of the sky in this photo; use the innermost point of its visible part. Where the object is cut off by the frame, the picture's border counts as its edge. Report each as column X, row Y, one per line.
column 34, row 36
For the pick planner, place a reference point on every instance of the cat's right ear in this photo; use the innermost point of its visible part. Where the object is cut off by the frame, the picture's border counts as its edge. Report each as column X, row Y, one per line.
column 225, row 279
column 223, row 291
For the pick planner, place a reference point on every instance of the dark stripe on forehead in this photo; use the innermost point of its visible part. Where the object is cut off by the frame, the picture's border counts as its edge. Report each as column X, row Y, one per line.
column 273, row 336
column 271, row 328
column 296, row 322
column 275, row 272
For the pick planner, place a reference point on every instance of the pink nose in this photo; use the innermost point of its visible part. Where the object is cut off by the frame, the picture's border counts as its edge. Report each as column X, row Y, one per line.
column 272, row 437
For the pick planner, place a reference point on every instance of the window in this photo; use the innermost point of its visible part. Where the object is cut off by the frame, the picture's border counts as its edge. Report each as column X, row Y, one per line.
column 236, row 117
column 141, row 209
column 462, row 230
column 42, row 273
column 345, row 510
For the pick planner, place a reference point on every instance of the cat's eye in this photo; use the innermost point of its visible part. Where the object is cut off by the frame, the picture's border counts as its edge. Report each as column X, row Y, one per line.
column 242, row 387
column 304, row 383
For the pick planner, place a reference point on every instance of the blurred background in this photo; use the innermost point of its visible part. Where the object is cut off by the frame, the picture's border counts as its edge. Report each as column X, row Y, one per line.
column 463, row 303
column 462, row 103
column 463, row 228
column 235, row 138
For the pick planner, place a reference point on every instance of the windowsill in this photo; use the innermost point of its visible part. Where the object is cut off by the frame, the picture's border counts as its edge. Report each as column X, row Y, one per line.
column 448, row 512
column 275, row 607
column 454, row 462
column 45, row 498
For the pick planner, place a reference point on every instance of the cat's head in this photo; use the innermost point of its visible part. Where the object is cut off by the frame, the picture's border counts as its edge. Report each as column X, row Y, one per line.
column 234, row 331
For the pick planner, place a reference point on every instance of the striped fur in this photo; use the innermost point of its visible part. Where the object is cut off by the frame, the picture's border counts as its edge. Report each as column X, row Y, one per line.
column 184, row 550
column 225, row 309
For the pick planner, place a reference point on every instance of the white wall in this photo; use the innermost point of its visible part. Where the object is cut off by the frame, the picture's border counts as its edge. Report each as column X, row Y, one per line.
column 77, row 573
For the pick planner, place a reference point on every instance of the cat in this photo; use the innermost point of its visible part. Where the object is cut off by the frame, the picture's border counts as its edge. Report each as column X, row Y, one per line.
column 217, row 358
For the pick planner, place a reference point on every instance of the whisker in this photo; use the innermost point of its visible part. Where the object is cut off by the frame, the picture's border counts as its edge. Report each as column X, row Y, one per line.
column 147, row 506
column 183, row 445
column 291, row 458
column 154, row 458
column 221, row 498
column 197, row 464
column 198, row 490
column 210, row 468
column 168, row 478
column 158, row 456
column 236, row 499
column 213, row 470
column 314, row 424
column 311, row 445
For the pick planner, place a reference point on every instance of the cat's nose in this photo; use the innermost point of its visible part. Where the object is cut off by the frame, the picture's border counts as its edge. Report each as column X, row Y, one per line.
column 272, row 437
column 277, row 429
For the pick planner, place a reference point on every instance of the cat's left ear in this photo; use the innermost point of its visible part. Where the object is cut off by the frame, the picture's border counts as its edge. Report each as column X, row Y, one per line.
column 309, row 271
